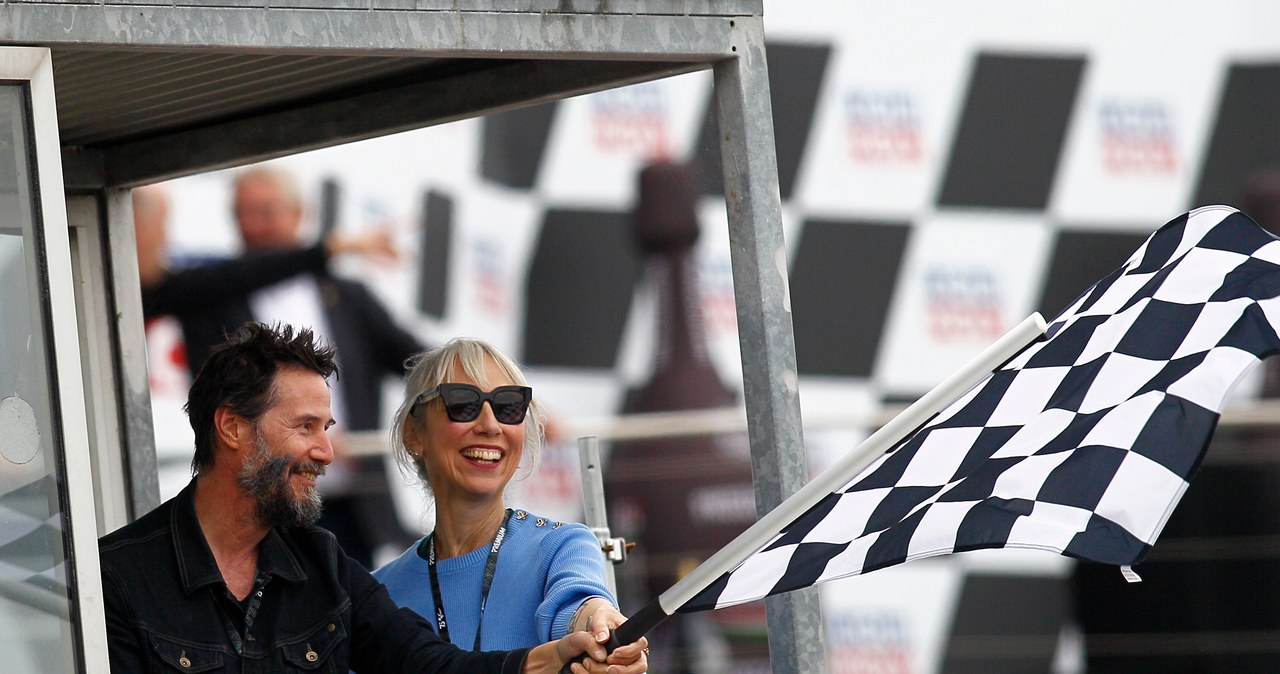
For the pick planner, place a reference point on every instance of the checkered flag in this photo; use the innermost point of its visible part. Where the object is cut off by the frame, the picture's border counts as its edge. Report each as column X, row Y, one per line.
column 1081, row 444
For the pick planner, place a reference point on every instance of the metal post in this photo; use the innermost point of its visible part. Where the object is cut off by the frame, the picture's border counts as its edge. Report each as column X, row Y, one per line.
column 593, row 508
column 758, row 252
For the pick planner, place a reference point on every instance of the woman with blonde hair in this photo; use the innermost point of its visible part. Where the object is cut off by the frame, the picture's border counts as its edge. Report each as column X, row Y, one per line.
column 491, row 577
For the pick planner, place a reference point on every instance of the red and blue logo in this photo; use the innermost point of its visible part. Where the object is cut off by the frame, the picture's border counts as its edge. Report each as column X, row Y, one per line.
column 882, row 128
column 868, row 643
column 962, row 304
column 632, row 120
column 1137, row 138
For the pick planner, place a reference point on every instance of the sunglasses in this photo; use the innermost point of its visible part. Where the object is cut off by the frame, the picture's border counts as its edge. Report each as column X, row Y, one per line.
column 462, row 402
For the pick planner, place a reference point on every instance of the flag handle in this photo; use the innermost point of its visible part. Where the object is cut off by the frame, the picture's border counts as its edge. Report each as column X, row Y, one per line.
column 840, row 473
column 630, row 631
column 637, row 625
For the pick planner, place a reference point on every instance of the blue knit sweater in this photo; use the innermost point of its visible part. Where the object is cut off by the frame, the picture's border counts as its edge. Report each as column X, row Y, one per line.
column 545, row 571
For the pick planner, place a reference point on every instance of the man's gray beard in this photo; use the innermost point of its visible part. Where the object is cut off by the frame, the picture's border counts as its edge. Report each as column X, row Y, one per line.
column 265, row 477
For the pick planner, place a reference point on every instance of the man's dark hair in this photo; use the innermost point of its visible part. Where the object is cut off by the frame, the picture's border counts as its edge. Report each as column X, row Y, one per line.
column 240, row 374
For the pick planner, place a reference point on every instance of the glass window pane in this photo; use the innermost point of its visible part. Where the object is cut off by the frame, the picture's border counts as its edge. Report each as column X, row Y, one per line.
column 36, row 632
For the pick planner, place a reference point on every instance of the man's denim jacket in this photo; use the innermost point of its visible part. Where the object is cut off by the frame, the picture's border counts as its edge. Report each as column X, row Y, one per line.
column 313, row 609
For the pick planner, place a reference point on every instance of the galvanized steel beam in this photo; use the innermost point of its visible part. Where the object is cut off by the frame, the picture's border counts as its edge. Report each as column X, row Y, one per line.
column 392, row 32
column 758, row 253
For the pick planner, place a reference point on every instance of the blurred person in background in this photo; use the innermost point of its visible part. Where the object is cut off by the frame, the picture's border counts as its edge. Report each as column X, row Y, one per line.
column 280, row 278
column 150, row 231
column 166, row 356
column 492, row 576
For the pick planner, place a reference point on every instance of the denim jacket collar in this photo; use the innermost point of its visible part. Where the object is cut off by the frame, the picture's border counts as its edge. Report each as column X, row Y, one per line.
column 195, row 560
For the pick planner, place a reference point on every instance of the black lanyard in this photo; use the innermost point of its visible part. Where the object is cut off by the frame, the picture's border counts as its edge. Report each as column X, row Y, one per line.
column 490, row 566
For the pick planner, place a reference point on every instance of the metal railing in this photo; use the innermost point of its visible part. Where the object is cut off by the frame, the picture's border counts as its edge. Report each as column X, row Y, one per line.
column 1255, row 414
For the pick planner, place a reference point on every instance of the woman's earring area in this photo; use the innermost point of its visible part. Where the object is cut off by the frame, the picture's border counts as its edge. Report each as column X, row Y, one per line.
column 412, row 447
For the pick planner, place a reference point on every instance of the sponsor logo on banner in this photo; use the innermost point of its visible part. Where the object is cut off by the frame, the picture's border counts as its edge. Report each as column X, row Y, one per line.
column 1137, row 138
column 632, row 120
column 488, row 279
column 868, row 643
column 882, row 128
column 962, row 304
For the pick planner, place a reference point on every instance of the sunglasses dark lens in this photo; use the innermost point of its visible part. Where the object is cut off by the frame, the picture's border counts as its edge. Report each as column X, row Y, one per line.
column 509, row 406
column 463, row 405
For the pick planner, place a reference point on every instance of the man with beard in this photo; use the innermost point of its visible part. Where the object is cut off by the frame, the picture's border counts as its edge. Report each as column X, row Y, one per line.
column 230, row 574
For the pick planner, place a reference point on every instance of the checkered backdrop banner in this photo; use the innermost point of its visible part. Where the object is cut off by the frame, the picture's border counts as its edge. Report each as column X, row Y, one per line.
column 946, row 170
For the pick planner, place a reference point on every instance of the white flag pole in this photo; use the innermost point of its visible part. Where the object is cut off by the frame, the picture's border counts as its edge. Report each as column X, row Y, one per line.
column 848, row 467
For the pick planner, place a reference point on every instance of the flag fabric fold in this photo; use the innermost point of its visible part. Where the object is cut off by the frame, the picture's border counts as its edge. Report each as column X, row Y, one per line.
column 1080, row 445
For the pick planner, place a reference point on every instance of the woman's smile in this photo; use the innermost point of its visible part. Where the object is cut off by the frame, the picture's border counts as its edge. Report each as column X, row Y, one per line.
column 483, row 455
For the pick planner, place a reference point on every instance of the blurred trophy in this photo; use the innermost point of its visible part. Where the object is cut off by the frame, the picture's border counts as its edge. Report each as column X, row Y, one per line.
column 680, row 499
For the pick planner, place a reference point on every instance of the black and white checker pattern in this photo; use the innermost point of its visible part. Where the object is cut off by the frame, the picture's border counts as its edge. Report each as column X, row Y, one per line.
column 1082, row 444
column 1027, row 139
column 894, row 174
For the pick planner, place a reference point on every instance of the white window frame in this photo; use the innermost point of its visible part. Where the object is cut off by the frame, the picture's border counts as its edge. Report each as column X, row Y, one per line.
column 35, row 66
